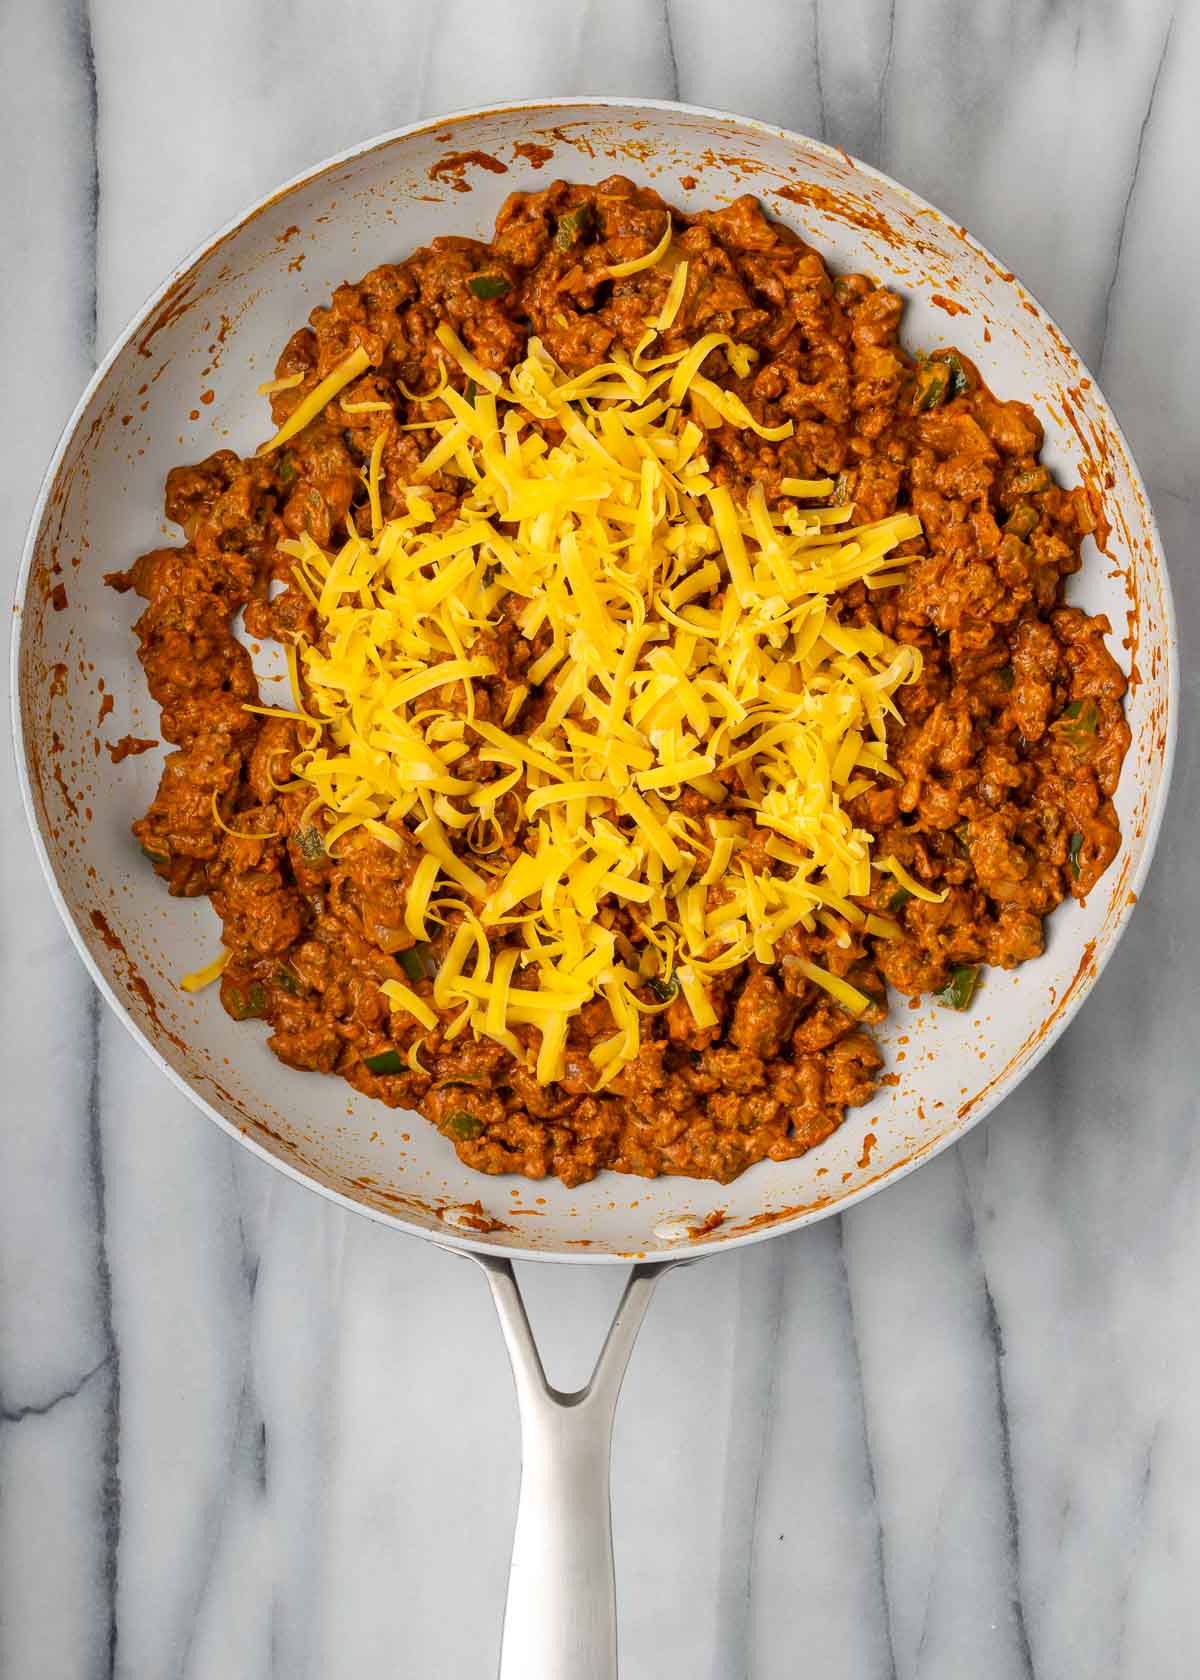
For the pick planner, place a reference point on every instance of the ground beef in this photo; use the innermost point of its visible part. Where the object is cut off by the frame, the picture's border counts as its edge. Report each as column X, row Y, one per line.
column 1007, row 750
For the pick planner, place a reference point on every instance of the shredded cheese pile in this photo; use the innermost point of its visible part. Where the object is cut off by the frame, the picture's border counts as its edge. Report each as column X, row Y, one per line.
column 681, row 644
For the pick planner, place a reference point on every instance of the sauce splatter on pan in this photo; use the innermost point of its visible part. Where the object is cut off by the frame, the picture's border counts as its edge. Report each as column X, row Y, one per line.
column 128, row 747
column 849, row 207
column 452, row 168
column 537, row 157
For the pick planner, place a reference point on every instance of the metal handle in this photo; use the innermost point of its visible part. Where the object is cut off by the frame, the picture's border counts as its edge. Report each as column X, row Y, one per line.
column 560, row 1619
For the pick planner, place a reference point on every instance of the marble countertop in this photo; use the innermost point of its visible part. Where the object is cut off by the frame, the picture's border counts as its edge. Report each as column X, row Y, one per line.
column 954, row 1433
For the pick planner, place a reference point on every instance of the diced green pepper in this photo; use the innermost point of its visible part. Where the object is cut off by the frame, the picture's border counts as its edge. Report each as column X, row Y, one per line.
column 462, row 1082
column 311, row 843
column 960, row 988
column 288, row 979
column 385, row 1061
column 933, row 383
column 1078, row 725
column 471, row 392
column 963, row 835
column 573, row 225
column 250, row 1005
column 486, row 286
column 1031, row 481
column 287, row 467
column 898, row 900
column 1023, row 521
column 959, row 383
column 461, row 1125
column 156, row 850
column 1006, row 676
column 418, row 962
column 664, row 990
column 1074, row 853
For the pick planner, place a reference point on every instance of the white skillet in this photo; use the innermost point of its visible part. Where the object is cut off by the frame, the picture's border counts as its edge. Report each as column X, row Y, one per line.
column 178, row 384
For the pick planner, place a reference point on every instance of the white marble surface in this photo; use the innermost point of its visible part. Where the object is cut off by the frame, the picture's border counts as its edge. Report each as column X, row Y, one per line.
column 954, row 1434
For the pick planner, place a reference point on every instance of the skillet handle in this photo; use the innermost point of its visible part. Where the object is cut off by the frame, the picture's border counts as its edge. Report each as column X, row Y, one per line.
column 560, row 1619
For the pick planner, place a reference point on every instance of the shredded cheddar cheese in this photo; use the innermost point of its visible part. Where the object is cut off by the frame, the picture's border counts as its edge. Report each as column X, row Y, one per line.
column 403, row 997
column 356, row 363
column 892, row 867
column 681, row 642
column 237, row 833
column 201, row 977
column 618, row 271
column 285, row 382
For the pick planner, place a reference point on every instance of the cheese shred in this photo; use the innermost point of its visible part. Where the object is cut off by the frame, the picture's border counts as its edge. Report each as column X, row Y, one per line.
column 356, row 363
column 201, row 977
column 675, row 640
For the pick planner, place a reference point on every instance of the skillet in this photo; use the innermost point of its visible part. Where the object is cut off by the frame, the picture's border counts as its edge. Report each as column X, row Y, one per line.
column 180, row 382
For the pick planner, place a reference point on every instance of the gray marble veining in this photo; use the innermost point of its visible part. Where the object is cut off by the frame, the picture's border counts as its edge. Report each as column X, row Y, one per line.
column 956, row 1432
